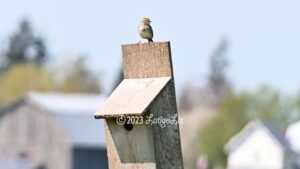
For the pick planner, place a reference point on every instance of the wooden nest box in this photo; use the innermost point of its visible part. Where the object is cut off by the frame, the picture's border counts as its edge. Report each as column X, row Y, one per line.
column 138, row 132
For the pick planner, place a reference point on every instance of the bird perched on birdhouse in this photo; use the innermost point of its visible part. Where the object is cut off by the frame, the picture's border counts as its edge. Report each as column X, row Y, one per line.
column 145, row 29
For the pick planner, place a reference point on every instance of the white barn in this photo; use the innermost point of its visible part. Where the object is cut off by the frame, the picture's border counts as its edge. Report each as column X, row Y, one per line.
column 259, row 146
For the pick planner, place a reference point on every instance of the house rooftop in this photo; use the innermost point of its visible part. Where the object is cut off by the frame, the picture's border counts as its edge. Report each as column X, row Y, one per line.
column 62, row 103
column 238, row 139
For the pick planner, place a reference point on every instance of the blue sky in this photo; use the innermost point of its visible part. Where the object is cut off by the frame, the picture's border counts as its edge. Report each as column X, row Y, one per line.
column 264, row 35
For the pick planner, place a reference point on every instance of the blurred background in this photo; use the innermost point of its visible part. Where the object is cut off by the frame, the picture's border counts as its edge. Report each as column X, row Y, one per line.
column 236, row 66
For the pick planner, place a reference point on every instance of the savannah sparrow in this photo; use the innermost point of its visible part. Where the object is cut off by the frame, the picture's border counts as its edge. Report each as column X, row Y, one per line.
column 145, row 29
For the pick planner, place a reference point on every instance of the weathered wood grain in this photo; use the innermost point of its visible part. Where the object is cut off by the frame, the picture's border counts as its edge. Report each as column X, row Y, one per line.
column 147, row 60
column 145, row 146
column 167, row 143
column 132, row 97
column 115, row 157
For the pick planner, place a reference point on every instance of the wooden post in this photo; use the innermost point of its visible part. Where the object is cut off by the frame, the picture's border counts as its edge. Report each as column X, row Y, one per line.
column 147, row 91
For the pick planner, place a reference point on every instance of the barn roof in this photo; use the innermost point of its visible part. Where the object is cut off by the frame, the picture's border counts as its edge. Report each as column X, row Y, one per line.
column 239, row 138
column 76, row 113
column 132, row 97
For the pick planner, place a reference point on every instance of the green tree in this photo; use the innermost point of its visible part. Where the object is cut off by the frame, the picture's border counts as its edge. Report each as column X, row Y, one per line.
column 296, row 113
column 230, row 119
column 270, row 105
column 80, row 79
column 23, row 47
column 23, row 78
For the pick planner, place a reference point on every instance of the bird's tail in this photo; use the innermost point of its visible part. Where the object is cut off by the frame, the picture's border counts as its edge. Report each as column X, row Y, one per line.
column 150, row 40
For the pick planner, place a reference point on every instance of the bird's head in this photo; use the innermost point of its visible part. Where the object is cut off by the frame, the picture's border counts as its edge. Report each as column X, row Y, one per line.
column 146, row 21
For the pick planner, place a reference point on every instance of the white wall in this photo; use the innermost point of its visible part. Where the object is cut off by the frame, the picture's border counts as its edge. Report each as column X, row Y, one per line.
column 257, row 151
column 293, row 136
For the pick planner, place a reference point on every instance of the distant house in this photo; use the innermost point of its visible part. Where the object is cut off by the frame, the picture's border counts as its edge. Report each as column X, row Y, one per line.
column 259, row 146
column 57, row 130
column 293, row 137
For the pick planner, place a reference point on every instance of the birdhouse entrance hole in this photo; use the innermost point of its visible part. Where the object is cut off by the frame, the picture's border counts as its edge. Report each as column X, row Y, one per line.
column 128, row 126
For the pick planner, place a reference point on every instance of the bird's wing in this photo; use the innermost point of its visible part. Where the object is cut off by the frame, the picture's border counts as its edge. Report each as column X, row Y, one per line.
column 151, row 31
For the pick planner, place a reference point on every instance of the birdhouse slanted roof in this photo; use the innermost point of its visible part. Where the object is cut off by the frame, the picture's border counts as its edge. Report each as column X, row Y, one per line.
column 132, row 97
